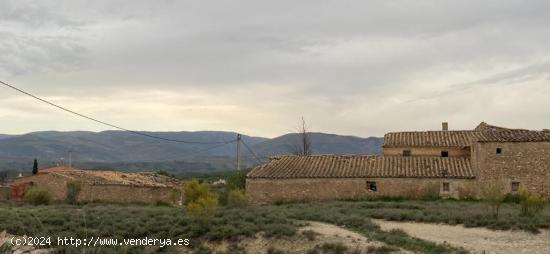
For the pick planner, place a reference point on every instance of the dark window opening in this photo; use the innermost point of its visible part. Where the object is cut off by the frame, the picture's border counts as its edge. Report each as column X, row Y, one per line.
column 444, row 153
column 515, row 186
column 446, row 187
column 371, row 186
column 499, row 150
column 406, row 152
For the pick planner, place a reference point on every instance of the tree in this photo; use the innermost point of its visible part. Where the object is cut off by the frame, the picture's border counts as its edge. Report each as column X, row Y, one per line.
column 35, row 167
column 493, row 193
column 303, row 147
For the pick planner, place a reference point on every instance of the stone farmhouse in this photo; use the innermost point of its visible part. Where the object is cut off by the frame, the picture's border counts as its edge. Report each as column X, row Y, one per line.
column 421, row 163
column 107, row 186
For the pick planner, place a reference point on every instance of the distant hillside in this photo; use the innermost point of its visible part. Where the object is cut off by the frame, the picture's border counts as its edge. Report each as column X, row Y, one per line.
column 321, row 143
column 127, row 151
column 117, row 146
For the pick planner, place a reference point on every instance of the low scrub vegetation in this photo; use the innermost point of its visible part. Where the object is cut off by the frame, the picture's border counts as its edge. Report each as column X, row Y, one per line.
column 531, row 204
column 201, row 204
column 282, row 221
column 236, row 198
column 38, row 196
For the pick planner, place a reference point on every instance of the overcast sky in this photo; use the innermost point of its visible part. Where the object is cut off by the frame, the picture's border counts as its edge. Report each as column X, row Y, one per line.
column 349, row 67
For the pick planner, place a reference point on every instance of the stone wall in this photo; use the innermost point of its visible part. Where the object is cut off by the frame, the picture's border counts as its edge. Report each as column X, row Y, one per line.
column 57, row 186
column 125, row 193
column 427, row 151
column 265, row 191
column 525, row 162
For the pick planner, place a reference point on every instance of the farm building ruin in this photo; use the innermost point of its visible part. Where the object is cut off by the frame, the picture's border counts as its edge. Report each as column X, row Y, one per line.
column 438, row 163
column 107, row 186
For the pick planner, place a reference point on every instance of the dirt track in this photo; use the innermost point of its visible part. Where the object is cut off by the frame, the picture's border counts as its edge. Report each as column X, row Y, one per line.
column 476, row 240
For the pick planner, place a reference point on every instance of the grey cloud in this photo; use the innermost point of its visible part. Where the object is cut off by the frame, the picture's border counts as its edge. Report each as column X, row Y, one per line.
column 336, row 55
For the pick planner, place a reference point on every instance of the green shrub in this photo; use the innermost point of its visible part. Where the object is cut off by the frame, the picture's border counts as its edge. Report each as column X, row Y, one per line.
column 204, row 208
column 38, row 196
column 381, row 249
column 73, row 189
column 237, row 180
column 194, row 190
column 329, row 248
column 236, row 198
column 279, row 230
column 531, row 204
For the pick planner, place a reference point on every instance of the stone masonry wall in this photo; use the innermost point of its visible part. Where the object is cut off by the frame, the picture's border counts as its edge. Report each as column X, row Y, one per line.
column 125, row 194
column 427, row 151
column 57, row 186
column 527, row 163
column 266, row 191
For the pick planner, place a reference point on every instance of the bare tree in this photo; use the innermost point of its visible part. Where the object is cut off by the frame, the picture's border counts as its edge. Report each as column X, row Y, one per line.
column 303, row 146
column 493, row 193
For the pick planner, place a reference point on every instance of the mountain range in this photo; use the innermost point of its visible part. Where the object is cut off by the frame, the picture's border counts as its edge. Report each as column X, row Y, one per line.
column 127, row 151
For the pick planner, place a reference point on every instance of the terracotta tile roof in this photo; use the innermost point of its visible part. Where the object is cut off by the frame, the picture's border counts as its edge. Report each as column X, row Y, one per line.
column 491, row 133
column 482, row 133
column 429, row 138
column 359, row 166
column 114, row 177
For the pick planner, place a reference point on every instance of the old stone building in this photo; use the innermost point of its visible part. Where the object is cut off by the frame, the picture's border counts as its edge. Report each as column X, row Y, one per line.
column 109, row 186
column 421, row 163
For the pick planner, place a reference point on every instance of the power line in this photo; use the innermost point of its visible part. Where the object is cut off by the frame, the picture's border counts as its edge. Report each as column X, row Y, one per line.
column 252, row 152
column 111, row 125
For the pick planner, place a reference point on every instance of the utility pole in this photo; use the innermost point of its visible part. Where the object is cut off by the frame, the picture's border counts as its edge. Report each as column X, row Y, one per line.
column 239, row 152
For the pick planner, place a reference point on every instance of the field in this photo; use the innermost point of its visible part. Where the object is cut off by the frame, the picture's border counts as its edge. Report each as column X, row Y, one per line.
column 273, row 222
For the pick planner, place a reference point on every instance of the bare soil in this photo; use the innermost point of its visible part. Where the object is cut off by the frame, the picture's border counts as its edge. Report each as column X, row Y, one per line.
column 326, row 233
column 476, row 240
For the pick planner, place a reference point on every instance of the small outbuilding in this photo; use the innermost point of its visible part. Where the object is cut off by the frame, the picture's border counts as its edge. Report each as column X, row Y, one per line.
column 108, row 186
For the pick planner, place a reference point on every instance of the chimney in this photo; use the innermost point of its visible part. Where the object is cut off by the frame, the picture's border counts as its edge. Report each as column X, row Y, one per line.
column 444, row 126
